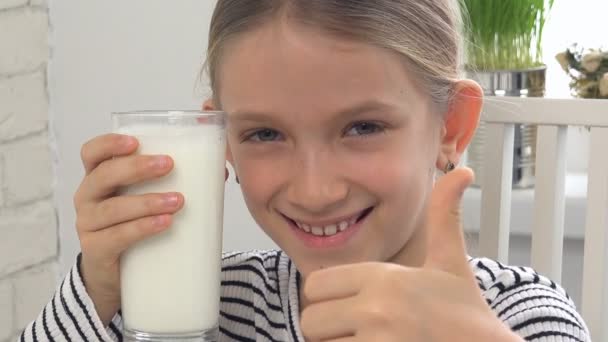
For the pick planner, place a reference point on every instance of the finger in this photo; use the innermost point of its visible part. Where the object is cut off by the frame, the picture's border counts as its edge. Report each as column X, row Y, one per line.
column 329, row 320
column 336, row 282
column 105, row 147
column 446, row 249
column 116, row 239
column 118, row 209
column 113, row 174
column 347, row 339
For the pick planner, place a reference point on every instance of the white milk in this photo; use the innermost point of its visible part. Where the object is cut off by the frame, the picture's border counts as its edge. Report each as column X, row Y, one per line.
column 171, row 282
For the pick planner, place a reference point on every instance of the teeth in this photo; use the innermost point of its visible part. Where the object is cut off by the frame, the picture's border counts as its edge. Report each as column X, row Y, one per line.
column 330, row 230
column 318, row 231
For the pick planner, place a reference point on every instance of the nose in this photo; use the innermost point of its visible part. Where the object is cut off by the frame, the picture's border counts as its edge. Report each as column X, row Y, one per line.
column 316, row 185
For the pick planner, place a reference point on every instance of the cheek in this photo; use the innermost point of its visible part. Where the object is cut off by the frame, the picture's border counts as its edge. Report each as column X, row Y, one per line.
column 400, row 168
column 259, row 176
column 401, row 179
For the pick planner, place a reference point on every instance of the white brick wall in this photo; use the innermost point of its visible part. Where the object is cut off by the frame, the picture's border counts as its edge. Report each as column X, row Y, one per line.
column 28, row 219
column 4, row 4
column 23, row 38
column 42, row 3
column 2, row 183
column 27, row 170
column 24, row 105
column 6, row 309
column 29, row 236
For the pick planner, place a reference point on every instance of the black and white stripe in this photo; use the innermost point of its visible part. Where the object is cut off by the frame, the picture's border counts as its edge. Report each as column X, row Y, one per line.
column 260, row 302
column 532, row 305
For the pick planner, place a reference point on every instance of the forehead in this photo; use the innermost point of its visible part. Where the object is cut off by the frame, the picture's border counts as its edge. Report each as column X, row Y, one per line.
column 288, row 64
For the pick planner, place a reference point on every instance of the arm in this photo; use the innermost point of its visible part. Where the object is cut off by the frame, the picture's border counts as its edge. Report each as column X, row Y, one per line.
column 533, row 306
column 71, row 316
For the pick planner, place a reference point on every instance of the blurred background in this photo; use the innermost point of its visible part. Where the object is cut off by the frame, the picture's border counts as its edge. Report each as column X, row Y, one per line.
column 66, row 64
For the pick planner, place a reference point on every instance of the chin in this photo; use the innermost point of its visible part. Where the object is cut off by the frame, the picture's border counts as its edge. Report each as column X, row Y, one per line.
column 308, row 263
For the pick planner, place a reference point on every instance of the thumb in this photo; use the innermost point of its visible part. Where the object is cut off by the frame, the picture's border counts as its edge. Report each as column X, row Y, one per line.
column 446, row 249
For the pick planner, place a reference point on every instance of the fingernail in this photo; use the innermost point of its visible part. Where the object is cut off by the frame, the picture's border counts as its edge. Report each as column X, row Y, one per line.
column 160, row 162
column 160, row 221
column 171, row 200
column 127, row 141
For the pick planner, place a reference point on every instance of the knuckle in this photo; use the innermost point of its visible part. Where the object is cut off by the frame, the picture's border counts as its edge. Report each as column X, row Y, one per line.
column 151, row 203
column 376, row 314
column 82, row 223
column 106, row 209
column 115, row 138
column 86, row 243
column 142, row 226
column 76, row 200
column 309, row 287
column 313, row 285
column 141, row 166
column 392, row 276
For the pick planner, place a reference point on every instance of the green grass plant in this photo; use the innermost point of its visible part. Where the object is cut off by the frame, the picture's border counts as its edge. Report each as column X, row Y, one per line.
column 504, row 34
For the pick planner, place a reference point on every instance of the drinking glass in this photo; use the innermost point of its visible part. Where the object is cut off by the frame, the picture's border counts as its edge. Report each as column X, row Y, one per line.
column 170, row 282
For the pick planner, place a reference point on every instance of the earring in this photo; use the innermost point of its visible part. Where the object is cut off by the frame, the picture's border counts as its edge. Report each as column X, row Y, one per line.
column 449, row 167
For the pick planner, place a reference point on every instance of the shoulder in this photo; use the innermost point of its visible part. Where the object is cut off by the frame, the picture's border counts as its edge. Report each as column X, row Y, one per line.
column 259, row 257
column 245, row 265
column 531, row 304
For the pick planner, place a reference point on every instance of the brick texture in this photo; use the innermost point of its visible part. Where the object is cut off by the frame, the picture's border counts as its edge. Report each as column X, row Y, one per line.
column 28, row 220
column 28, row 170
column 24, row 107
column 39, row 3
column 30, row 236
column 23, row 32
column 2, row 182
column 4, row 4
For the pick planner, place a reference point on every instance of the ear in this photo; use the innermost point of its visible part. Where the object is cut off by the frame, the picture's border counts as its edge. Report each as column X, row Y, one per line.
column 209, row 105
column 460, row 122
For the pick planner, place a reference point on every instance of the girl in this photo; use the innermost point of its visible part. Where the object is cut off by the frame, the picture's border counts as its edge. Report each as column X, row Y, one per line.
column 340, row 112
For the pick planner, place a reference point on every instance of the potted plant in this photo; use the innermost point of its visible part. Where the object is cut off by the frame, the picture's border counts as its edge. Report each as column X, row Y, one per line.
column 503, row 52
column 588, row 71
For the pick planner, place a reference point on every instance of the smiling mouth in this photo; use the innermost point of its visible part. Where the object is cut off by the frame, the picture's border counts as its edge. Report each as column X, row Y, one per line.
column 332, row 228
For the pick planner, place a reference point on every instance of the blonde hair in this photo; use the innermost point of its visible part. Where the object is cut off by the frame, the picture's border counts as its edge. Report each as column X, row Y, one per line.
column 425, row 32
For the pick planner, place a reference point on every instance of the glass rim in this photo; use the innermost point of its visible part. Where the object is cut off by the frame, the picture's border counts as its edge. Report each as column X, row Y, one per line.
column 170, row 113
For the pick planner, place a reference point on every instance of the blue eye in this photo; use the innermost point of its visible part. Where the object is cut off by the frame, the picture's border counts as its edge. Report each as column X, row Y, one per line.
column 264, row 135
column 364, row 128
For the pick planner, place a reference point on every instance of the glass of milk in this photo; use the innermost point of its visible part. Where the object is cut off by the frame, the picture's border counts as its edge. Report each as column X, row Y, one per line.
column 170, row 283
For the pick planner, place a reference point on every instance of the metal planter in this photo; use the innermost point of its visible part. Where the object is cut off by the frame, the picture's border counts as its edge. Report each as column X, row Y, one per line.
column 520, row 83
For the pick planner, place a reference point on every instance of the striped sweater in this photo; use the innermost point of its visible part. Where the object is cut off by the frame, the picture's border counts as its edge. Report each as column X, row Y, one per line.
column 259, row 302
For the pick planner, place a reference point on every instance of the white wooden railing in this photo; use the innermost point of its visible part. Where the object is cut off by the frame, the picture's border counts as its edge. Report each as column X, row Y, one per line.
column 553, row 116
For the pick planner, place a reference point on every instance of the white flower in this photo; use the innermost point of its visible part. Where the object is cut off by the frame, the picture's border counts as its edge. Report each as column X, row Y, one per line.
column 604, row 85
column 562, row 58
column 591, row 61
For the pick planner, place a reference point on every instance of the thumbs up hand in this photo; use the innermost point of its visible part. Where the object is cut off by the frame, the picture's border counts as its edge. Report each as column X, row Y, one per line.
column 389, row 302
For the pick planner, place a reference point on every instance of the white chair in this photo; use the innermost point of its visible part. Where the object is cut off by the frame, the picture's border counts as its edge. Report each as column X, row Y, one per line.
column 553, row 116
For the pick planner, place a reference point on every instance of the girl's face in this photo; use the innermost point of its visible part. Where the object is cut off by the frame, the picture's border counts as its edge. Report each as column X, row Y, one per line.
column 327, row 134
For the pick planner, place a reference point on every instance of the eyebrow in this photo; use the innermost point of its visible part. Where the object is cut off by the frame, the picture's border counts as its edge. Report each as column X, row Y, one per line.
column 359, row 109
